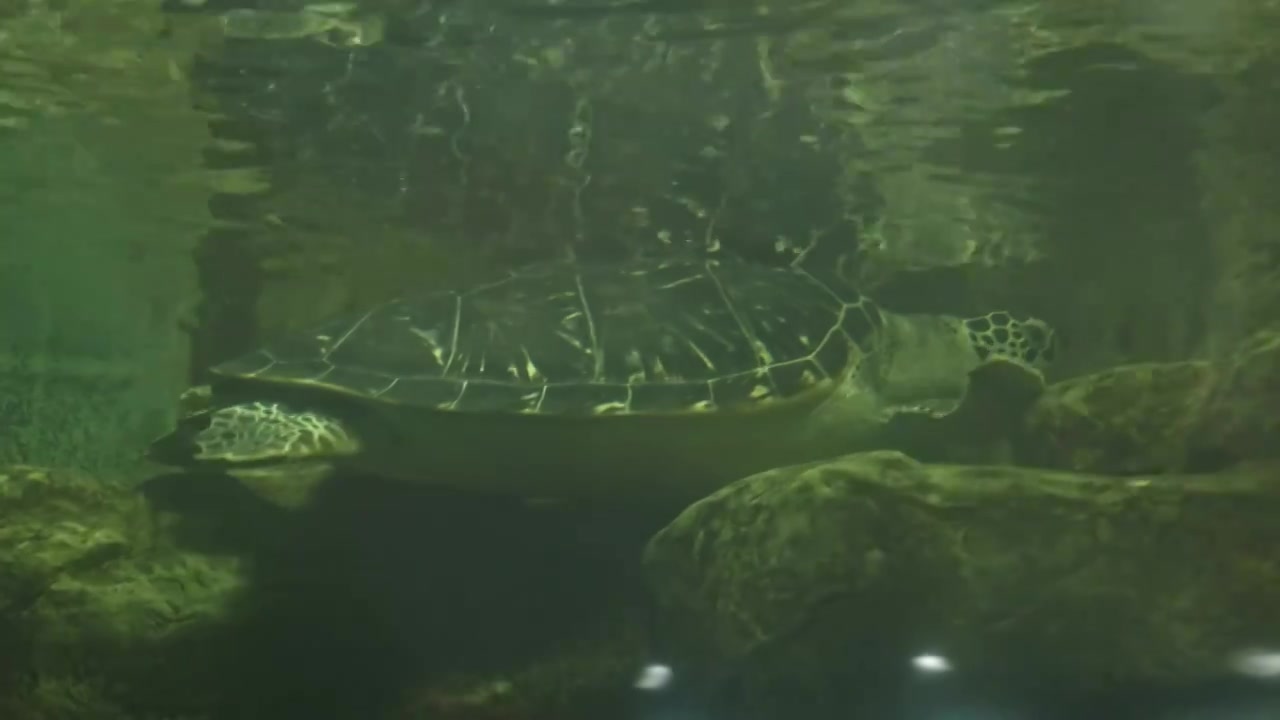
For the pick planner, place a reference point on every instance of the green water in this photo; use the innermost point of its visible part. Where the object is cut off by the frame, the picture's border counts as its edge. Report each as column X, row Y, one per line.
column 184, row 182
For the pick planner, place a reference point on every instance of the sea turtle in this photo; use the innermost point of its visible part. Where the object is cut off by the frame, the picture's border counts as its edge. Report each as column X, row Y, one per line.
column 563, row 380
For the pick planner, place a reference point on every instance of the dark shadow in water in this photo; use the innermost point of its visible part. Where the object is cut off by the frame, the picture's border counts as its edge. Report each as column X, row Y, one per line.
column 379, row 587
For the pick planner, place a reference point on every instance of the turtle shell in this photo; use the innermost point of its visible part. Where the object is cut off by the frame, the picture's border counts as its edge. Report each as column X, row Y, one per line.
column 567, row 339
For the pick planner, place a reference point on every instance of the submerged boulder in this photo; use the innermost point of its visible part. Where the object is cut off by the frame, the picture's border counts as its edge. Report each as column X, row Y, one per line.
column 816, row 577
column 1196, row 415
column 1128, row 419
column 100, row 616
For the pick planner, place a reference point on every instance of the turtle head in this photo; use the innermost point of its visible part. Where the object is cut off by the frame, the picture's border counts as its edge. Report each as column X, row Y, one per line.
column 254, row 433
column 1000, row 336
column 927, row 360
column 966, row 385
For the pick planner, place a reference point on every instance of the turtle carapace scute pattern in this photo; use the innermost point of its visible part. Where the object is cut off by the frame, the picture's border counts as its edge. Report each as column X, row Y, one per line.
column 568, row 339
column 648, row 378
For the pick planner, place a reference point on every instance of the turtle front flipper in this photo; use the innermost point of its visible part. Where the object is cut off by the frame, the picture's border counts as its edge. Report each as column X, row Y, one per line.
column 973, row 420
column 253, row 433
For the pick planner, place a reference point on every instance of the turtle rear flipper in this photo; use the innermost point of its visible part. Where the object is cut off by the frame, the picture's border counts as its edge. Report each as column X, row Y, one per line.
column 252, row 433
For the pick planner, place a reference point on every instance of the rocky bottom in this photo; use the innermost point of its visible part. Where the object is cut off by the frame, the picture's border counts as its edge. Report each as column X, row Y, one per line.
column 1127, row 556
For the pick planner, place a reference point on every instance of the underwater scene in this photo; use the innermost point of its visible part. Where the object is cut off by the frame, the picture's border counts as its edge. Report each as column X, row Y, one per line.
column 640, row 360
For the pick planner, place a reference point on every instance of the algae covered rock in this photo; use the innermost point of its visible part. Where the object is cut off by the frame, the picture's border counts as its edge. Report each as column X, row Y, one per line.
column 588, row 675
column 1156, row 417
column 1129, row 419
column 98, row 612
column 820, row 575
column 56, row 524
column 1241, row 416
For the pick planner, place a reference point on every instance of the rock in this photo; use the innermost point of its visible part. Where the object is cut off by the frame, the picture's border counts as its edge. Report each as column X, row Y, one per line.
column 1241, row 416
column 58, row 524
column 1195, row 415
column 589, row 675
column 98, row 612
column 813, row 576
column 1129, row 419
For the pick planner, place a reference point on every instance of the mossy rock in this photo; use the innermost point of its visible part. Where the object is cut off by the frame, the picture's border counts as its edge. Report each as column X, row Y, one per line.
column 809, row 580
column 1196, row 415
column 58, row 523
column 1129, row 419
column 1241, row 416
column 587, row 676
column 99, row 613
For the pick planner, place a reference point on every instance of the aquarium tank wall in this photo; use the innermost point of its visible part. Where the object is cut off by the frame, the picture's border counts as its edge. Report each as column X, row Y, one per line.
column 638, row 360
